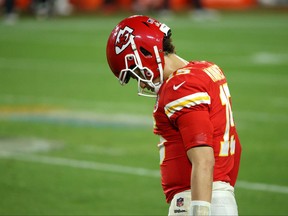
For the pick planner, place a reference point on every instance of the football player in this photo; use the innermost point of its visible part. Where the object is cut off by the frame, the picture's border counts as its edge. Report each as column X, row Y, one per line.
column 199, row 146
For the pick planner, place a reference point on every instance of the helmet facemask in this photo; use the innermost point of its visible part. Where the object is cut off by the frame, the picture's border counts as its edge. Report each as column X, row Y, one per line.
column 135, row 68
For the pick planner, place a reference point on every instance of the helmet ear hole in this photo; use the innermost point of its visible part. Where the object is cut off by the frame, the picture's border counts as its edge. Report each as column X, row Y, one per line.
column 148, row 74
column 145, row 52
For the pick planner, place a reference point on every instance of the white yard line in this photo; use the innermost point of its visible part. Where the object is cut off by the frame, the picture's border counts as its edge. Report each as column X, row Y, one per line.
column 81, row 164
column 78, row 118
column 269, row 58
column 262, row 187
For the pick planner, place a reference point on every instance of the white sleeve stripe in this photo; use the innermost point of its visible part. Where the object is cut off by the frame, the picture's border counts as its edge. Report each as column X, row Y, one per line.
column 187, row 101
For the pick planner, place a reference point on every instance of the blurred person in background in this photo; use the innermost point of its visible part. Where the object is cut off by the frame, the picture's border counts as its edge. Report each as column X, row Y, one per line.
column 198, row 13
column 110, row 6
column 199, row 145
column 141, row 6
column 43, row 9
column 10, row 14
column 63, row 7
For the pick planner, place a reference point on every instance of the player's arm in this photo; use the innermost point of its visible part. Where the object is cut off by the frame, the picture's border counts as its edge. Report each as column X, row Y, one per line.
column 197, row 134
column 202, row 159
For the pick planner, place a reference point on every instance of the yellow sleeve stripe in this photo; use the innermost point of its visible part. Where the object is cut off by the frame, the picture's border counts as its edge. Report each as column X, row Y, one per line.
column 187, row 101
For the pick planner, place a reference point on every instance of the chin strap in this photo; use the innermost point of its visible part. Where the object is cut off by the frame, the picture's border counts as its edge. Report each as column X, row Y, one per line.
column 159, row 63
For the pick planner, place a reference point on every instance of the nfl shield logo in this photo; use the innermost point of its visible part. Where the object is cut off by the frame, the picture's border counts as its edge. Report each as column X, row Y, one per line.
column 180, row 202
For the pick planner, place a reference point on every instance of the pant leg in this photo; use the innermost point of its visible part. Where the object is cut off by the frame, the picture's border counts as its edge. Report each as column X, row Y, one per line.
column 9, row 6
column 223, row 200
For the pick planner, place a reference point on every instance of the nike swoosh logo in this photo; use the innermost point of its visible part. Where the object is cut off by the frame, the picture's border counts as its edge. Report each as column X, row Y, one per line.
column 176, row 87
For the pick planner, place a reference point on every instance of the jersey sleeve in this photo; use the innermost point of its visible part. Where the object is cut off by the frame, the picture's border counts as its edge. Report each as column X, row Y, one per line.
column 196, row 129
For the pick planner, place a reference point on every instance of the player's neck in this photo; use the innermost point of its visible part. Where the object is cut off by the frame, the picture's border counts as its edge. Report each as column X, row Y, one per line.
column 172, row 63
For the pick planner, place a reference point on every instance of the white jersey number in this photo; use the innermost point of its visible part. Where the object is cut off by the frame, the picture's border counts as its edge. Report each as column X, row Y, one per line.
column 228, row 142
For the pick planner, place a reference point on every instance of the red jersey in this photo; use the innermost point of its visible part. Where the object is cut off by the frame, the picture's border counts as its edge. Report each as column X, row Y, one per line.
column 201, row 88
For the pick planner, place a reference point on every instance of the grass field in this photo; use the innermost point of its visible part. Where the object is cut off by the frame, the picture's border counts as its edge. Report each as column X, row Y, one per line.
column 74, row 142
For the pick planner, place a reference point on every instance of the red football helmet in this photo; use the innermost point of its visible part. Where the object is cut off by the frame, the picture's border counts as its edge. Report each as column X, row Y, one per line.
column 135, row 47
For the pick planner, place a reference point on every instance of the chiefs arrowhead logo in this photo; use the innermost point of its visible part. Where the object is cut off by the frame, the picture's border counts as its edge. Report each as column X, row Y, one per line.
column 123, row 39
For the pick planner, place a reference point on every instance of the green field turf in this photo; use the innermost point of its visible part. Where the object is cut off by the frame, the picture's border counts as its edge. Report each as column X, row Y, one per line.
column 74, row 142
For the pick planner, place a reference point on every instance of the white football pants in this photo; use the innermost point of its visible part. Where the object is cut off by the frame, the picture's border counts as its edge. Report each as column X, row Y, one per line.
column 223, row 201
